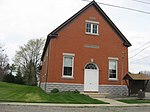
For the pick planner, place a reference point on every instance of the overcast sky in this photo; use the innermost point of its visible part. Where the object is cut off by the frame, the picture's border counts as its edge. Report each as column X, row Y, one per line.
column 22, row 20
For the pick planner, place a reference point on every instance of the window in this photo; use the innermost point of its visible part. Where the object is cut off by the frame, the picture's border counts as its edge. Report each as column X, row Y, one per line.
column 88, row 27
column 68, row 61
column 95, row 28
column 92, row 27
column 113, row 69
column 90, row 66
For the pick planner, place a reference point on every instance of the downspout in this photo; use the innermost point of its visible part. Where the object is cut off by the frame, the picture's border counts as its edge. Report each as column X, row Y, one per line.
column 123, row 56
column 47, row 65
column 49, row 45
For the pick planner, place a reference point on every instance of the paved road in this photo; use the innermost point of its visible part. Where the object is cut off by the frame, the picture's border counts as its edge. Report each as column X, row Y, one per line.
column 22, row 108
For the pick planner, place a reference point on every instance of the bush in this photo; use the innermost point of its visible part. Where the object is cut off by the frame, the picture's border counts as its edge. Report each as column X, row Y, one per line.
column 9, row 78
column 72, row 92
column 55, row 90
column 76, row 91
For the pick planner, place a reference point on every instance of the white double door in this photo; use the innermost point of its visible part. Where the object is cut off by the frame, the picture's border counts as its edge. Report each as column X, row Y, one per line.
column 91, row 80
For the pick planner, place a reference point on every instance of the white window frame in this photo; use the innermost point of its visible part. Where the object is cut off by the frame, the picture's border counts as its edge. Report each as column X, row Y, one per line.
column 92, row 24
column 116, row 61
column 68, row 55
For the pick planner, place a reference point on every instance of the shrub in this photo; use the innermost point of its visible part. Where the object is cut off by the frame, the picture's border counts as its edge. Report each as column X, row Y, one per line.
column 9, row 78
column 55, row 90
column 76, row 91
column 72, row 92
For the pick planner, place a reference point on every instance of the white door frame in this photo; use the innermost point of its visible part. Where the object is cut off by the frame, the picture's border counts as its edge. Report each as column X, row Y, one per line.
column 91, row 77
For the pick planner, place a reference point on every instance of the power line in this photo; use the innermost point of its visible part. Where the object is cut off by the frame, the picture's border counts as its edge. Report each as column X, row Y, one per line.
column 141, row 58
column 139, row 52
column 116, row 6
column 139, row 47
column 141, row 2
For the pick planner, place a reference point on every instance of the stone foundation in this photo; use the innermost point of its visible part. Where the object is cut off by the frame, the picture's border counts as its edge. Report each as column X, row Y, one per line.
column 109, row 89
column 62, row 87
column 114, row 89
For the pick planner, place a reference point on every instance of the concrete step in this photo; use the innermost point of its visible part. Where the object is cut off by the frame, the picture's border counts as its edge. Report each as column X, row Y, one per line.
column 97, row 95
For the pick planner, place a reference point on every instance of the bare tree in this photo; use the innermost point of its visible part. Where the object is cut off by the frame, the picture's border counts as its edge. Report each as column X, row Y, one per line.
column 3, row 61
column 145, row 72
column 30, row 54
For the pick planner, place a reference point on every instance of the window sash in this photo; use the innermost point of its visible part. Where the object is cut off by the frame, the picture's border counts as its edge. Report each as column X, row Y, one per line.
column 91, row 28
column 67, row 71
column 88, row 27
column 95, row 28
column 68, row 61
column 68, row 66
column 113, row 69
column 112, row 75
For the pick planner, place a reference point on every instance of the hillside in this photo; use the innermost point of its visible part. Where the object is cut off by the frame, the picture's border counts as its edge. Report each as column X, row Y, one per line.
column 21, row 93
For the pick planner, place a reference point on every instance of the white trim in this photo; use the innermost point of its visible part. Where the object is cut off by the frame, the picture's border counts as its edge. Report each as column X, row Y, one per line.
column 68, row 55
column 92, row 33
column 89, row 21
column 112, row 85
column 92, row 23
column 67, row 77
column 113, row 79
column 113, row 58
column 62, row 83
column 79, row 84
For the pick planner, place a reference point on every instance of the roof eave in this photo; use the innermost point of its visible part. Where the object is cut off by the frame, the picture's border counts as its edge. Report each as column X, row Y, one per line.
column 49, row 37
column 123, row 38
column 127, row 44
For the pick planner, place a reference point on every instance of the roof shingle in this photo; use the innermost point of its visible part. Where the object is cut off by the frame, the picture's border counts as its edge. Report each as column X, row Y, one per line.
column 136, row 77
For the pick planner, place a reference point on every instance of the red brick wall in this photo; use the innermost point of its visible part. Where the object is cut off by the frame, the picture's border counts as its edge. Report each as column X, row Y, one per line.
column 72, row 38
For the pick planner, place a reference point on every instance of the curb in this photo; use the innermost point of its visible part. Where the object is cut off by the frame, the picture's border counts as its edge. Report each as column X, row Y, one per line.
column 71, row 105
column 52, row 104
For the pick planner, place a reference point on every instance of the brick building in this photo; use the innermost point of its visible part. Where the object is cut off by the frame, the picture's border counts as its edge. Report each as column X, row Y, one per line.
column 87, row 52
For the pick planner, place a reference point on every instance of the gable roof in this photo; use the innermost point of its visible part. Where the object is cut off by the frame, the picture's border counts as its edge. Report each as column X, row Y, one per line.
column 136, row 77
column 53, row 34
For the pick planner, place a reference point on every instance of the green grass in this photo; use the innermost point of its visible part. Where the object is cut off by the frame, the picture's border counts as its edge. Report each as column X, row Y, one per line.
column 135, row 101
column 21, row 93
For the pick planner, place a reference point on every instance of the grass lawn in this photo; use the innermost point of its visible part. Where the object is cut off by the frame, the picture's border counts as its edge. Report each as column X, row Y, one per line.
column 135, row 101
column 21, row 93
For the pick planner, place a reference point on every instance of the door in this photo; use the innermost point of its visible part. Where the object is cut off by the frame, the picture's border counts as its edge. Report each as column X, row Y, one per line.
column 91, row 77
